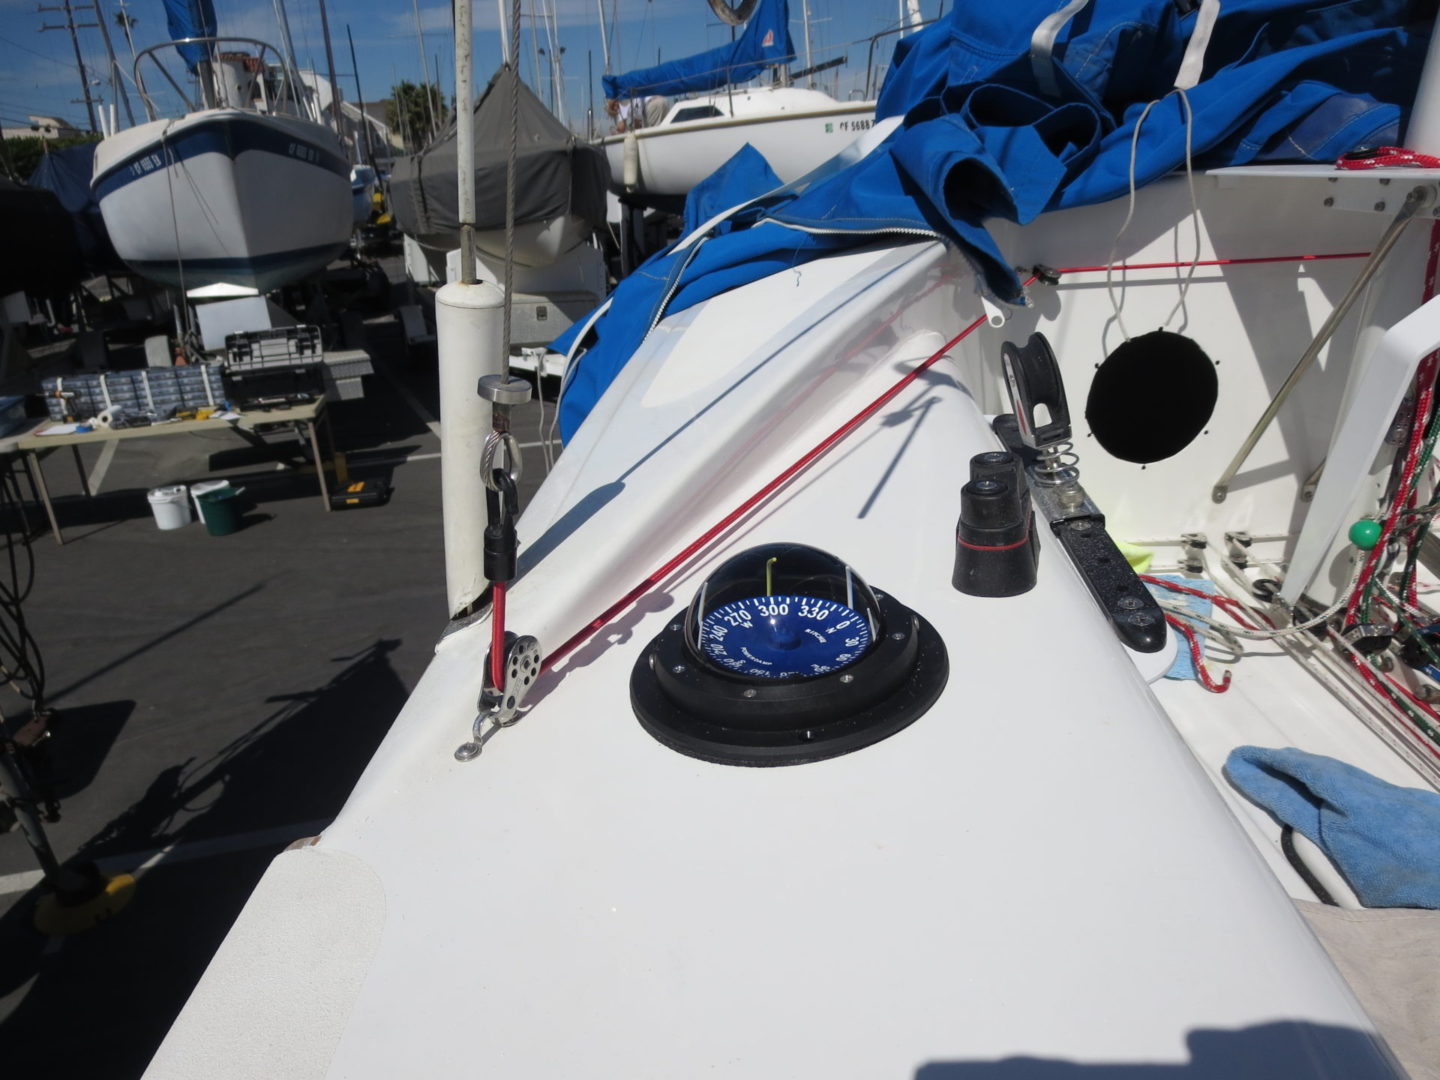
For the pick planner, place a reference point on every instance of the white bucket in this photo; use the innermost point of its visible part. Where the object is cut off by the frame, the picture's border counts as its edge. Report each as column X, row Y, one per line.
column 171, row 506
column 196, row 490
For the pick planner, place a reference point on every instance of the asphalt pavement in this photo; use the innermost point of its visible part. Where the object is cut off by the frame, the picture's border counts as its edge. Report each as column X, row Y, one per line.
column 215, row 698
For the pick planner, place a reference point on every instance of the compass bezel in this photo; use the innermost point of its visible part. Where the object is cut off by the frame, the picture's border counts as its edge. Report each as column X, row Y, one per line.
column 703, row 711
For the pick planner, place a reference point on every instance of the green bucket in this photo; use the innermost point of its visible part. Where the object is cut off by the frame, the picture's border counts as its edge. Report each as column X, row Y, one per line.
column 221, row 510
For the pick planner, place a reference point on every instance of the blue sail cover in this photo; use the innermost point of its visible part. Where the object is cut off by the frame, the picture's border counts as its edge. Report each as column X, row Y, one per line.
column 67, row 173
column 188, row 19
column 1283, row 80
column 764, row 42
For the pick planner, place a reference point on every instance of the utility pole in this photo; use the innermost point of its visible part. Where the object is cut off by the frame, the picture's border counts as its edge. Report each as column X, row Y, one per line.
column 72, row 26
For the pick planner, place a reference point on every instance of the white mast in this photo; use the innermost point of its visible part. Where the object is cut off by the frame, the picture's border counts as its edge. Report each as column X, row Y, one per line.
column 557, row 61
column 604, row 37
column 809, row 60
column 465, row 138
column 910, row 15
column 425, row 70
column 1423, row 131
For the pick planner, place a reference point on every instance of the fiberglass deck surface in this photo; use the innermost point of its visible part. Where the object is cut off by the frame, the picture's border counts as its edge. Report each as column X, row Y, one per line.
column 217, row 698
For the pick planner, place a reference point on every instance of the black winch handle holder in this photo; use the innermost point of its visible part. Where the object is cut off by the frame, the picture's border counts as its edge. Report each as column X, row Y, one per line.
column 1033, row 375
column 996, row 549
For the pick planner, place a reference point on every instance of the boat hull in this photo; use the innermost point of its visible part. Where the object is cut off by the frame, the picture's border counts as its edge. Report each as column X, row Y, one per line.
column 1034, row 878
column 674, row 158
column 224, row 196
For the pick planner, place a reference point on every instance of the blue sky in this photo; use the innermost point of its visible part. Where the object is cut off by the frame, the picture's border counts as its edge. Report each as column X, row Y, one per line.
column 38, row 72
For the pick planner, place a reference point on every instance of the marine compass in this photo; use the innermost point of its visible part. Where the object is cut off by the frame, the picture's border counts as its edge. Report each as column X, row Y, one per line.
column 785, row 656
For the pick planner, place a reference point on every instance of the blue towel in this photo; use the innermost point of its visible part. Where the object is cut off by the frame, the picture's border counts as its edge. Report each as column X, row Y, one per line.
column 1385, row 839
column 1184, row 665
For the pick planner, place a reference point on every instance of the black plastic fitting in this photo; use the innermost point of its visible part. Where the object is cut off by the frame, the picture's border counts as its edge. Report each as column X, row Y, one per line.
column 996, row 549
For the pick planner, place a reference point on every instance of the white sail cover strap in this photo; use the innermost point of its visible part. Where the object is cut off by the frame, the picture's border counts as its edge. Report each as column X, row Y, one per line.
column 1194, row 61
column 1042, row 46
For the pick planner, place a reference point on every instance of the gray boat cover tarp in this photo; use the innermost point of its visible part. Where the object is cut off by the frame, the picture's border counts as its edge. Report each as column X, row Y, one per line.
column 556, row 172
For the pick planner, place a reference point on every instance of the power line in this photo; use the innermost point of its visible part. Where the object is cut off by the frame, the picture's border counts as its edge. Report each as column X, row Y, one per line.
column 32, row 52
column 72, row 26
column 34, row 110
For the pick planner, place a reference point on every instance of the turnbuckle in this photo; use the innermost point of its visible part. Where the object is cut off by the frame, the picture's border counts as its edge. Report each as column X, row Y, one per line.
column 513, row 663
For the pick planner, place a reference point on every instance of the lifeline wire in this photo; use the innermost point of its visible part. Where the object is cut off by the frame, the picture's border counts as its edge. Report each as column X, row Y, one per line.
column 1130, row 210
column 512, row 58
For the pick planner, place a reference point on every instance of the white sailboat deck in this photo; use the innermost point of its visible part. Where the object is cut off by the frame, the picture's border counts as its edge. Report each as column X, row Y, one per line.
column 1038, row 867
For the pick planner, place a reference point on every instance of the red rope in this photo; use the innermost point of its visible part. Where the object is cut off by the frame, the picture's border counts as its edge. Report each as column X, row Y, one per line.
column 1425, row 380
column 1211, row 262
column 1195, row 654
column 497, row 634
column 754, row 500
column 1421, row 739
column 1231, row 607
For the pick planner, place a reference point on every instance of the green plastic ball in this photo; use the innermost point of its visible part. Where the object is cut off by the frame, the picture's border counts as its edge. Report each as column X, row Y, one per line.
column 1365, row 534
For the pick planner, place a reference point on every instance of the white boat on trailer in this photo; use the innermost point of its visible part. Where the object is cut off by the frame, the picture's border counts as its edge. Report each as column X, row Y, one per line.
column 246, row 189
column 722, row 109
column 998, row 837
column 794, row 127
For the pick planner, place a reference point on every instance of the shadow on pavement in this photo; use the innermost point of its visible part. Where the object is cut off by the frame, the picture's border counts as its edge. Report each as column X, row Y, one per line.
column 101, row 1001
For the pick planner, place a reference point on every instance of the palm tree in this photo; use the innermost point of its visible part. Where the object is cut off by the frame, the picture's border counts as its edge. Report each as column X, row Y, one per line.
column 125, row 21
column 414, row 113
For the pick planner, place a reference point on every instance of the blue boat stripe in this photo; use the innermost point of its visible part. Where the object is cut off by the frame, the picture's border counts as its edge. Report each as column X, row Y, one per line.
column 256, row 264
column 228, row 135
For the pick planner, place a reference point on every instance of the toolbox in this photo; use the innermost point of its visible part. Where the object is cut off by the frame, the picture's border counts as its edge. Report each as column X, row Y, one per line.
column 153, row 392
column 280, row 366
column 357, row 493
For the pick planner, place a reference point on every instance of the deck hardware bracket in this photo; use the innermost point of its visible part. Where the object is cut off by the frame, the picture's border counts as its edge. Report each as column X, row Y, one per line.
column 501, row 707
column 1399, row 433
column 1307, row 489
column 1193, row 545
column 1237, row 547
